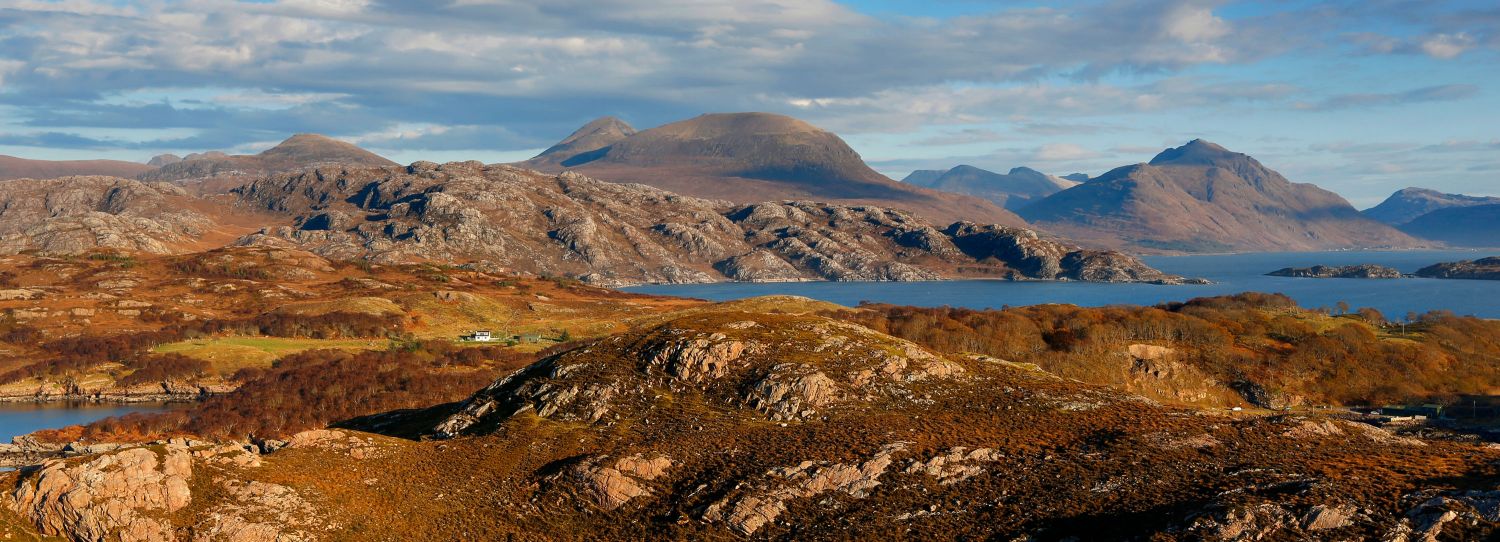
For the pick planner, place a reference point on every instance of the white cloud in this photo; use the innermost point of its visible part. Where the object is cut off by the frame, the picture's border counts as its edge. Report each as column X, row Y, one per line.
column 1447, row 45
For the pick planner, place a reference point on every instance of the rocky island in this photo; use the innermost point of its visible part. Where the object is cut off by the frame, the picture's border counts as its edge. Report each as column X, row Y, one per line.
column 1480, row 269
column 1363, row 271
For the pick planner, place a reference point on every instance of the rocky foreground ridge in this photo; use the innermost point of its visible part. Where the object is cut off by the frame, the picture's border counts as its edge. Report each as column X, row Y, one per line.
column 729, row 424
column 613, row 234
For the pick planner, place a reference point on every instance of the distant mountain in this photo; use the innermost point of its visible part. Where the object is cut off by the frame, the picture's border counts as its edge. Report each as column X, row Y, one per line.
column 163, row 159
column 924, row 177
column 751, row 157
column 23, row 168
column 1409, row 203
column 1201, row 197
column 296, row 152
column 1475, row 226
column 1077, row 177
column 596, row 135
column 1014, row 190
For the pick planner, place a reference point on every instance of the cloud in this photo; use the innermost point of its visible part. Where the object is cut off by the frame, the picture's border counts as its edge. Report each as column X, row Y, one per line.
column 1447, row 45
column 1437, row 93
column 539, row 68
column 962, row 137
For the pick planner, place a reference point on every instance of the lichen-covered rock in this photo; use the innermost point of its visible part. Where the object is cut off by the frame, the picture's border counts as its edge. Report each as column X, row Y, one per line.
column 793, row 391
column 611, row 484
column 747, row 512
column 121, row 495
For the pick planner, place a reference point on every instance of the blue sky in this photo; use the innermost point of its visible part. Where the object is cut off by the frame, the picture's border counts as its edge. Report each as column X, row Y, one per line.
column 1361, row 97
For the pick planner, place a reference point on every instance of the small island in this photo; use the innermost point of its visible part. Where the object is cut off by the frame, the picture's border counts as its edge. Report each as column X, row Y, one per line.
column 1481, row 269
column 1363, row 271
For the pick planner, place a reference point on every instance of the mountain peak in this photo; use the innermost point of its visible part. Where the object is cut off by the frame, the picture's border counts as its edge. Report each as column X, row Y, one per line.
column 722, row 124
column 307, row 149
column 601, row 128
column 1197, row 151
column 585, row 143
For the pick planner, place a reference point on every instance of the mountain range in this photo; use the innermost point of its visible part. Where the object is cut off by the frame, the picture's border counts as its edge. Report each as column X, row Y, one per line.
column 1408, row 204
column 298, row 151
column 1455, row 219
column 24, row 168
column 1195, row 198
column 1020, row 187
column 1201, row 197
column 747, row 158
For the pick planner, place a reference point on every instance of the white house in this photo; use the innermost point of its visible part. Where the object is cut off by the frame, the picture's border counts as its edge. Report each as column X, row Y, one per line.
column 481, row 336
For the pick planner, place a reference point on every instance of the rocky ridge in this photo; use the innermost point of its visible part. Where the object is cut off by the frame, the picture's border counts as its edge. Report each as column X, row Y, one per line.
column 612, row 234
column 71, row 215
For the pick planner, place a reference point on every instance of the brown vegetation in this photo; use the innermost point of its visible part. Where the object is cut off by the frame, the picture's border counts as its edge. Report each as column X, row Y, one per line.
column 1259, row 345
column 313, row 389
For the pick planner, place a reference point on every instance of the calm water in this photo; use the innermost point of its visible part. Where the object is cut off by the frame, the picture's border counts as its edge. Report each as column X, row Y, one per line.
column 1231, row 273
column 22, row 418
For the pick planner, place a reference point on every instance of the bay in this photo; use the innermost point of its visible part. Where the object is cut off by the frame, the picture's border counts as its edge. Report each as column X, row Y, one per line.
column 1231, row 273
column 21, row 418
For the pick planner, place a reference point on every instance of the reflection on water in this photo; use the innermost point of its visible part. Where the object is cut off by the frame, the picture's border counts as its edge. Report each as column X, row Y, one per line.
column 22, row 418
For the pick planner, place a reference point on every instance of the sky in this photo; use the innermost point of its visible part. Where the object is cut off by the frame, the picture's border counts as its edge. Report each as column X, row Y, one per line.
column 1360, row 97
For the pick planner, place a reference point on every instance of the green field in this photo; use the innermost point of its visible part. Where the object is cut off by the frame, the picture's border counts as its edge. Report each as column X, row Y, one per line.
column 230, row 354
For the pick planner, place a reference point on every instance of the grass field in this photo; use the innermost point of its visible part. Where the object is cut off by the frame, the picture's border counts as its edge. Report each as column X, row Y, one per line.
column 230, row 354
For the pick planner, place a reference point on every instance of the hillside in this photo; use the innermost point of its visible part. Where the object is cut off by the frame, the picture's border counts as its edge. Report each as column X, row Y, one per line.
column 1472, row 226
column 1020, row 187
column 73, row 215
column 733, row 424
column 296, row 152
column 754, row 157
column 114, row 326
column 22, row 168
column 1408, row 204
column 1201, row 197
column 578, row 146
column 515, row 220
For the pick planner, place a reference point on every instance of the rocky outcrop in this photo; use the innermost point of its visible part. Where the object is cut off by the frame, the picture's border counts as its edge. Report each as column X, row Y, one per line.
column 1031, row 257
column 115, row 496
column 611, row 484
column 731, row 362
column 1363, row 271
column 613, row 234
column 72, row 215
column 767, row 499
column 1481, row 269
